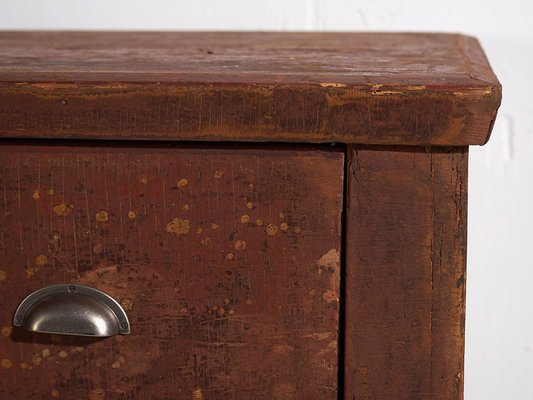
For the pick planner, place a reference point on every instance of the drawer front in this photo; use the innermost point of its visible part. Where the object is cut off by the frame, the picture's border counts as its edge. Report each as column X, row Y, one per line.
column 225, row 259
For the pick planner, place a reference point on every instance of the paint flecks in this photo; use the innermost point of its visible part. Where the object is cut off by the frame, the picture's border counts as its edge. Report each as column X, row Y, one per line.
column 178, row 226
column 329, row 261
column 6, row 330
column 332, row 85
column 62, row 209
column 330, row 296
column 3, row 275
column 127, row 304
column 102, row 216
column 240, row 245
column 245, row 219
column 6, row 363
column 182, row 183
column 30, row 272
column 41, row 260
column 36, row 195
column 97, row 394
column 271, row 229
column 197, row 394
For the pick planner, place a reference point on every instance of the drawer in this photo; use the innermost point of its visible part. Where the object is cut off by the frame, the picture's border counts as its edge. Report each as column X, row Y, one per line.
column 281, row 215
column 226, row 260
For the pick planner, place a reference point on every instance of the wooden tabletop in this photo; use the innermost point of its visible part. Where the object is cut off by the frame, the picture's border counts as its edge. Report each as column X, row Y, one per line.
column 372, row 88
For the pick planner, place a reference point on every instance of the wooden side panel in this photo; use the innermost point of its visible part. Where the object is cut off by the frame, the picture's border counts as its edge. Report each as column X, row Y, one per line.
column 226, row 260
column 405, row 273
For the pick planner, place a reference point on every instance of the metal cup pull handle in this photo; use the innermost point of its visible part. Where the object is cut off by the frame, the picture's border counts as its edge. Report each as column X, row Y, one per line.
column 69, row 309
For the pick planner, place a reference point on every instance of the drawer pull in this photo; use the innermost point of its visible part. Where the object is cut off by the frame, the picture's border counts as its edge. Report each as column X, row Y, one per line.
column 68, row 309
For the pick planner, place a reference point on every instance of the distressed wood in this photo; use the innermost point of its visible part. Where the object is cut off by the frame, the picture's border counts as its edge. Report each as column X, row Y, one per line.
column 405, row 273
column 370, row 88
column 227, row 266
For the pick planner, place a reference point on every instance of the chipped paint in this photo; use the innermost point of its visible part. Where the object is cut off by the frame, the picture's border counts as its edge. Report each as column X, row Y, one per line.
column 182, row 183
column 24, row 365
column 297, row 229
column 245, row 219
column 132, row 214
column 197, row 394
column 259, row 222
column 284, row 226
column 332, row 85
column 6, row 363
column 41, row 260
column 271, row 229
column 230, row 256
column 318, row 335
column 97, row 394
column 330, row 296
column 3, row 275
column 102, row 216
column 249, row 205
column 178, row 226
column 240, row 245
column 36, row 195
column 6, row 330
column 63, row 354
column 62, row 209
column 218, row 174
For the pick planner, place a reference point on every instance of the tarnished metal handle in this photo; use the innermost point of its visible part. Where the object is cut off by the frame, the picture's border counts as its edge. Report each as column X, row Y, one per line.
column 69, row 309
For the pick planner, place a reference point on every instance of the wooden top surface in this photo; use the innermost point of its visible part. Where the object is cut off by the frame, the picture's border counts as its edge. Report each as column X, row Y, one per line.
column 375, row 88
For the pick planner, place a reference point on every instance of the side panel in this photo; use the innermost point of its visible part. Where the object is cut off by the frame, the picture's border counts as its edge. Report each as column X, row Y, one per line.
column 226, row 260
column 405, row 273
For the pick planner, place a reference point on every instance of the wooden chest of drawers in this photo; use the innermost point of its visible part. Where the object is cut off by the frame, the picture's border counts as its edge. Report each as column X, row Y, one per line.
column 279, row 215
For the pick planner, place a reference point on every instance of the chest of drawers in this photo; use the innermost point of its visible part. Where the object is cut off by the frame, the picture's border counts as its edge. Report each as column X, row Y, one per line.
column 279, row 215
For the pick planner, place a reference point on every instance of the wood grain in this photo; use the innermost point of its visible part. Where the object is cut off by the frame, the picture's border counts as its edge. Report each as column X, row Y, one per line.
column 227, row 266
column 405, row 273
column 370, row 88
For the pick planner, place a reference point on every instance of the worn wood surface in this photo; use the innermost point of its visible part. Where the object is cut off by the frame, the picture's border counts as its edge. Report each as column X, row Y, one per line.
column 405, row 273
column 226, row 260
column 372, row 88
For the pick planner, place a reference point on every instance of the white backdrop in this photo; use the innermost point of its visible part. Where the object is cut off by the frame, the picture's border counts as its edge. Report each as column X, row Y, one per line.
column 499, row 352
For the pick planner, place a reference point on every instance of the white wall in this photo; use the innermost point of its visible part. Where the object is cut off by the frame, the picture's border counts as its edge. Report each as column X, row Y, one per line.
column 499, row 353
